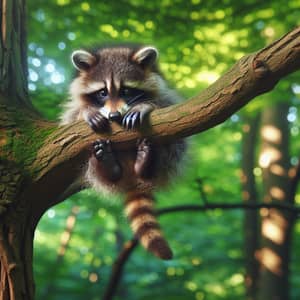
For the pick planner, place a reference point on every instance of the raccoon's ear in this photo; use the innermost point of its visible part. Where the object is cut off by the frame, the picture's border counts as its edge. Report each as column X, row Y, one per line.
column 146, row 56
column 82, row 60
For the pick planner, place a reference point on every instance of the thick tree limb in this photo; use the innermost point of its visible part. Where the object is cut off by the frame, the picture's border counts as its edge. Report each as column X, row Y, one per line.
column 67, row 148
column 253, row 75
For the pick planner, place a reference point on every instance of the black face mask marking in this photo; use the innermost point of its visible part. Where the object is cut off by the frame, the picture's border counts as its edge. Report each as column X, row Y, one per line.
column 131, row 95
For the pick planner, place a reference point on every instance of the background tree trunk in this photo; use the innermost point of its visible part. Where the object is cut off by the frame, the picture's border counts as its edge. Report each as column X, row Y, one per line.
column 276, row 225
column 249, row 194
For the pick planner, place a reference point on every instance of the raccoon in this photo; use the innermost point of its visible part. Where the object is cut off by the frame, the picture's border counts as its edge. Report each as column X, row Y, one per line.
column 123, row 84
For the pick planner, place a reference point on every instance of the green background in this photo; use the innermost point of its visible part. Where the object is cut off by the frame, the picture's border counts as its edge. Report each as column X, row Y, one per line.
column 198, row 41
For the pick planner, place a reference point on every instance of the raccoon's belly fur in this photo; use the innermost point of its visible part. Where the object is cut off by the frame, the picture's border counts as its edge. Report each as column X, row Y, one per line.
column 164, row 166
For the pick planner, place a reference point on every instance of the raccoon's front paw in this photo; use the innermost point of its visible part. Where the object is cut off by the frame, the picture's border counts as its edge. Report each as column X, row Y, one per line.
column 97, row 122
column 135, row 118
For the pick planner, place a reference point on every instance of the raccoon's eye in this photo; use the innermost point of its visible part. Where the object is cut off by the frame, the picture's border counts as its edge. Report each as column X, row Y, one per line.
column 128, row 93
column 99, row 97
column 102, row 93
column 125, row 92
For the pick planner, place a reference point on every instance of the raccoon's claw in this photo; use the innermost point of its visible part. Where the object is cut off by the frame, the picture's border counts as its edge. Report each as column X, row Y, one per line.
column 134, row 119
column 131, row 120
column 136, row 116
column 97, row 122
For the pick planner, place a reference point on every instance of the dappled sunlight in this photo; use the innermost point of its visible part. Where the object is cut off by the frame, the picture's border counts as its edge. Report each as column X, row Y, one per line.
column 196, row 261
column 172, row 271
column 85, row 6
column 273, row 231
column 292, row 172
column 271, row 134
column 70, row 222
column 216, row 288
column 268, row 156
column 278, row 218
column 277, row 193
column 297, row 199
column 243, row 177
column 63, row 2
column 65, row 237
column 257, row 171
column 264, row 212
column 191, row 285
column 246, row 128
column 208, row 77
column 270, row 260
column 199, row 296
column 245, row 195
column 236, row 279
column 278, row 170
column 93, row 277
column 109, row 29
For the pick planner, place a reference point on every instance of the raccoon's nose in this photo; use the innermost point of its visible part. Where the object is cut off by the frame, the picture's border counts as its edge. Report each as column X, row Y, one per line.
column 115, row 116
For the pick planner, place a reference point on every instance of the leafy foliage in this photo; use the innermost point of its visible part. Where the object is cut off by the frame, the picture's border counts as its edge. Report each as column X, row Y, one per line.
column 198, row 41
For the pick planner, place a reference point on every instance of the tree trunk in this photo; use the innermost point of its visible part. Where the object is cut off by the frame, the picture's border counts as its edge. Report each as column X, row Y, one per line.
column 13, row 54
column 16, row 232
column 276, row 225
column 249, row 195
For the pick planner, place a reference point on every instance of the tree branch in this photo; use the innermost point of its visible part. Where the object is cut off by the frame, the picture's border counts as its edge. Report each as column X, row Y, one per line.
column 194, row 207
column 68, row 146
column 117, row 269
column 295, row 177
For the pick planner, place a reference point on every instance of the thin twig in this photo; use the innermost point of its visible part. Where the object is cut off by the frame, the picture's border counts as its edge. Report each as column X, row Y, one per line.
column 117, row 269
column 294, row 182
column 194, row 207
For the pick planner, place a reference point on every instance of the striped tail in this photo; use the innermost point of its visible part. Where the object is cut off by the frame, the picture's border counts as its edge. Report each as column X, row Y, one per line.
column 140, row 213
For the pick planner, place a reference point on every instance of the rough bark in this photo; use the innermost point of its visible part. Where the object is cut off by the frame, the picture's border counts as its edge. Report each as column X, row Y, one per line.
column 276, row 225
column 13, row 53
column 249, row 195
column 16, row 231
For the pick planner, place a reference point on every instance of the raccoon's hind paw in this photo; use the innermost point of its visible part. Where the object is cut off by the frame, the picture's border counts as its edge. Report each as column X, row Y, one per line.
column 105, row 156
column 142, row 165
column 101, row 148
column 97, row 122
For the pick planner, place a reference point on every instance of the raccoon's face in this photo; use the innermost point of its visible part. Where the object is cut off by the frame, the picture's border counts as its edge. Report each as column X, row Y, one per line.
column 115, row 79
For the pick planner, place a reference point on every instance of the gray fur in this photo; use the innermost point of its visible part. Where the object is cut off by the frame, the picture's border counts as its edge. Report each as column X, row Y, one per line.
column 109, row 69
column 118, row 64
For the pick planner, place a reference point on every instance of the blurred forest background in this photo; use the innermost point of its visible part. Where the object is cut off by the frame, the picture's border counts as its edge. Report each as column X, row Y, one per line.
column 77, row 241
